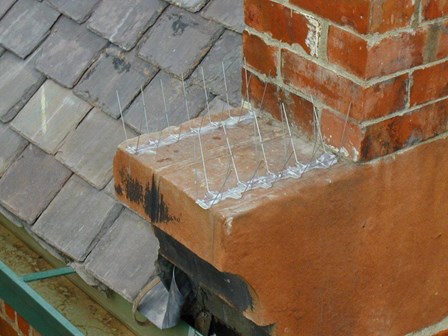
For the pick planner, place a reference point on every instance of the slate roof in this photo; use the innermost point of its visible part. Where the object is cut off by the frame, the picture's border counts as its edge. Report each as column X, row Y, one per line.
column 61, row 63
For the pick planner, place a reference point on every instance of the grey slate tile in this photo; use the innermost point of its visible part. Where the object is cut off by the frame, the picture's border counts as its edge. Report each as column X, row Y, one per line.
column 77, row 218
column 191, row 5
column 227, row 12
column 227, row 49
column 89, row 150
column 124, row 22
column 11, row 145
column 2, row 50
column 175, row 102
column 110, row 74
column 25, row 25
column 49, row 116
column 124, row 258
column 68, row 52
column 178, row 41
column 31, row 182
column 75, row 9
column 5, row 5
column 216, row 106
column 18, row 82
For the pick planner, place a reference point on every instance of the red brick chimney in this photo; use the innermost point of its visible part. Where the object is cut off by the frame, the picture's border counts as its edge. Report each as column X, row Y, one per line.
column 357, row 249
column 382, row 62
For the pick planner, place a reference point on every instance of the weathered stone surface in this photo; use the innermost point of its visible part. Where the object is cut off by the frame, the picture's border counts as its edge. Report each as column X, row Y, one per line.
column 18, row 82
column 358, row 239
column 77, row 218
column 77, row 10
column 111, row 74
column 11, row 145
column 2, row 50
column 178, row 41
column 191, row 5
column 89, row 150
column 49, row 116
column 175, row 103
column 124, row 22
column 5, row 5
column 124, row 258
column 227, row 50
column 25, row 25
column 31, row 182
column 227, row 12
column 68, row 52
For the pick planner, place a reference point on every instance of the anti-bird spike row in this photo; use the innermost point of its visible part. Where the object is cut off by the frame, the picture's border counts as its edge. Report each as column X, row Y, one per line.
column 121, row 114
column 219, row 193
column 206, row 95
column 144, row 110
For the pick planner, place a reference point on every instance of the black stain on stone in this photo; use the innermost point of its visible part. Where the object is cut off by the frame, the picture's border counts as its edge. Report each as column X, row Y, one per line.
column 179, row 26
column 133, row 188
column 154, row 204
column 151, row 198
column 120, row 65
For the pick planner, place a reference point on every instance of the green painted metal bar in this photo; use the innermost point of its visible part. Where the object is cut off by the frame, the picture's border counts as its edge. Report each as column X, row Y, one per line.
column 48, row 274
column 32, row 307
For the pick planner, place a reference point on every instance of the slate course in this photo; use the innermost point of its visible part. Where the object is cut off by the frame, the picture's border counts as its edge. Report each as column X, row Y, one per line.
column 61, row 63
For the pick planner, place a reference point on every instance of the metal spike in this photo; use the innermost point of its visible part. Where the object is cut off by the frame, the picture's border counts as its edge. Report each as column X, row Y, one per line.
column 121, row 114
column 144, row 110
column 290, row 134
column 262, row 145
column 185, row 98
column 206, row 96
column 284, row 166
column 219, row 194
column 164, row 103
column 345, row 126
column 318, row 129
column 249, row 184
column 203, row 158
column 231, row 154
column 225, row 86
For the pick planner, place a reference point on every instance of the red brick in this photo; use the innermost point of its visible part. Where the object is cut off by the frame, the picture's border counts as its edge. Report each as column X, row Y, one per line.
column 10, row 312
column 6, row 329
column 366, row 16
column 24, row 326
column 387, row 136
column 442, row 40
column 390, row 14
column 429, row 83
column 341, row 93
column 280, row 22
column 404, row 131
column 347, row 12
column 257, row 89
column 387, row 56
column 433, row 9
column 442, row 333
column 300, row 111
column 259, row 55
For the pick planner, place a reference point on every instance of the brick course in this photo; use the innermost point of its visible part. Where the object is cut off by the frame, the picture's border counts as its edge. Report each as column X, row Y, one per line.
column 374, row 58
